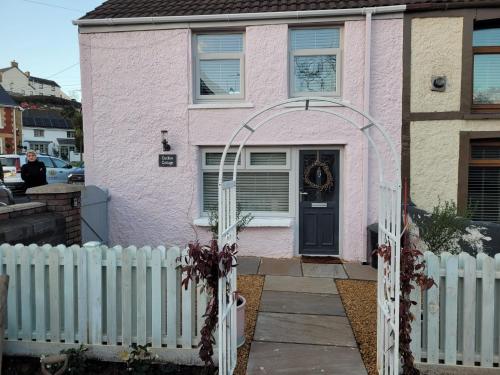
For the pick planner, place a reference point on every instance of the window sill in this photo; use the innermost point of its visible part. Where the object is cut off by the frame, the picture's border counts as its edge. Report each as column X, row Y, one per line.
column 220, row 105
column 258, row 222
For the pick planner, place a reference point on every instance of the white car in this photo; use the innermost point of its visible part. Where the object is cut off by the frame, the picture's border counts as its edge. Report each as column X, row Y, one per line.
column 57, row 170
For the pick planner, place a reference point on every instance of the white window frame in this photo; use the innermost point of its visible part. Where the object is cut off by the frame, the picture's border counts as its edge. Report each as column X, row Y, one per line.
column 38, row 130
column 1, row 118
column 69, row 132
column 315, row 52
column 40, row 85
column 198, row 56
column 244, row 167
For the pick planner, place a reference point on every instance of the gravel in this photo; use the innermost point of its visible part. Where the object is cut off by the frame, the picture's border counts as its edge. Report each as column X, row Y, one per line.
column 250, row 287
column 360, row 302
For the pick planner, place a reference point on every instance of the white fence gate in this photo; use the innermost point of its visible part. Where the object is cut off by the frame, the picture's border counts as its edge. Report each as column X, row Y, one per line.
column 388, row 289
column 104, row 298
column 458, row 319
column 227, row 285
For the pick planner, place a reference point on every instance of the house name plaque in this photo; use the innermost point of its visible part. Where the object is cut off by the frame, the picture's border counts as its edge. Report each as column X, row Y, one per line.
column 168, row 160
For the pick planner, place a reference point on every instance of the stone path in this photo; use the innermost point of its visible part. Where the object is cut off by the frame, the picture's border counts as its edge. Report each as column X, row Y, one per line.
column 302, row 327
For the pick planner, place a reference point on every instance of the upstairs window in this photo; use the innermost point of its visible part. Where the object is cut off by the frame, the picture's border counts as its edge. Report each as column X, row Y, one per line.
column 219, row 66
column 315, row 62
column 38, row 132
column 70, row 134
column 484, row 180
column 486, row 78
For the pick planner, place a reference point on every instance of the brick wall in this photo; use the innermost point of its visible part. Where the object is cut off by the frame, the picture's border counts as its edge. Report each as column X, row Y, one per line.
column 65, row 200
column 30, row 223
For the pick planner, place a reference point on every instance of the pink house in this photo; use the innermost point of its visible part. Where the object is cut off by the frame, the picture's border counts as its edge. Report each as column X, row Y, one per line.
column 196, row 70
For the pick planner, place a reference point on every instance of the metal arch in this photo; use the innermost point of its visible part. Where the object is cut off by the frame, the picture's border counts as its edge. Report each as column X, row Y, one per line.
column 389, row 233
column 340, row 103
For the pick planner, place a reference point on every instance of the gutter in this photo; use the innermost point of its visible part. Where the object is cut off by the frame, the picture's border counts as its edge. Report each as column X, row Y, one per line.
column 240, row 16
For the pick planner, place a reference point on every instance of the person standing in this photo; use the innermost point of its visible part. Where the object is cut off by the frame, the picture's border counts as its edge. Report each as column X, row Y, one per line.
column 33, row 172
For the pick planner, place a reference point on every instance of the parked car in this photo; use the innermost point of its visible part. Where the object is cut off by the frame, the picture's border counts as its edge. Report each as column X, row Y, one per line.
column 57, row 170
column 77, row 175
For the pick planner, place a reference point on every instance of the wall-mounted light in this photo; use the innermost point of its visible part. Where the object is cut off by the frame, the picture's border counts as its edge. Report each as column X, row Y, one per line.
column 164, row 140
column 438, row 83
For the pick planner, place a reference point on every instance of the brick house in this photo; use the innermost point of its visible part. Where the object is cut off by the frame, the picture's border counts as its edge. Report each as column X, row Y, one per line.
column 10, row 119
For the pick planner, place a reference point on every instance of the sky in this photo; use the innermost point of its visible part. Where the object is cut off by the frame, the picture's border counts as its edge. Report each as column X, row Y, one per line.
column 39, row 35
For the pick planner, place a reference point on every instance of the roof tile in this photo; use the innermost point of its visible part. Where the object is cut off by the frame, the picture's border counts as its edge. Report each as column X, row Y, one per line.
column 160, row 8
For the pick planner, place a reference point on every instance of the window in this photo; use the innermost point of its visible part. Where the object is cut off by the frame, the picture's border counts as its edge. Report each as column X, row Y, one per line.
column 40, row 86
column 53, row 88
column 11, row 86
column 263, row 180
column 484, row 180
column 219, row 66
column 46, row 160
column 315, row 62
column 38, row 132
column 59, row 163
column 41, row 148
column 486, row 77
column 70, row 134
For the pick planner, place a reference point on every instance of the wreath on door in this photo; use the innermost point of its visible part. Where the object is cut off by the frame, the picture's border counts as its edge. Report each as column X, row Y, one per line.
column 328, row 184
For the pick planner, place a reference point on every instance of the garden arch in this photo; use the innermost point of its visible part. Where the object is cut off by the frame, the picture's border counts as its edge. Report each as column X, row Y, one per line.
column 389, row 228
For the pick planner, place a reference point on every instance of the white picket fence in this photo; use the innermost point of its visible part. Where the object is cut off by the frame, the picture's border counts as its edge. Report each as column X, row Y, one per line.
column 104, row 298
column 458, row 321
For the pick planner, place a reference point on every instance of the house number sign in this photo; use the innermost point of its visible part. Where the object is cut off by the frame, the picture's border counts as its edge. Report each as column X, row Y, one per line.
column 168, row 161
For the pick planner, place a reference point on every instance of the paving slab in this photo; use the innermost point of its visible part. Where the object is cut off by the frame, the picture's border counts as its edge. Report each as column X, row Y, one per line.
column 300, row 284
column 280, row 267
column 301, row 303
column 358, row 271
column 272, row 358
column 304, row 329
column 324, row 270
column 248, row 265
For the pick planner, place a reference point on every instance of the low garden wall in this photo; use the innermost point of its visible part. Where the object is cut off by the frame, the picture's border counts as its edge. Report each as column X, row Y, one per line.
column 103, row 298
column 457, row 320
column 31, row 223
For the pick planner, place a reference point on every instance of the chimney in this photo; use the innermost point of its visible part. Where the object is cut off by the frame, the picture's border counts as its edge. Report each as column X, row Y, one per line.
column 13, row 64
column 27, row 74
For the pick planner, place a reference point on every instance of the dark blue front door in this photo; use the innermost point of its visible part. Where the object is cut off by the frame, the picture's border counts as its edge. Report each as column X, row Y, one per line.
column 319, row 202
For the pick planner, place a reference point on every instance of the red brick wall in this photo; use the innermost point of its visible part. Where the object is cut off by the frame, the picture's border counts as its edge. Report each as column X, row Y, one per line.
column 64, row 205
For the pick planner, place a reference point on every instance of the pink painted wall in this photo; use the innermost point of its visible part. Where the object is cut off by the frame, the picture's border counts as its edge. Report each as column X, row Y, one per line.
column 136, row 84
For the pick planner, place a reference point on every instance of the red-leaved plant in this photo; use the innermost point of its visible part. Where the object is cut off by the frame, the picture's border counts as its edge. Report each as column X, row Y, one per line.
column 207, row 264
column 411, row 274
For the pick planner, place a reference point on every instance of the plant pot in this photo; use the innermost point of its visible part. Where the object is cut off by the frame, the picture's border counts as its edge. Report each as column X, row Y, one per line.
column 240, row 321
